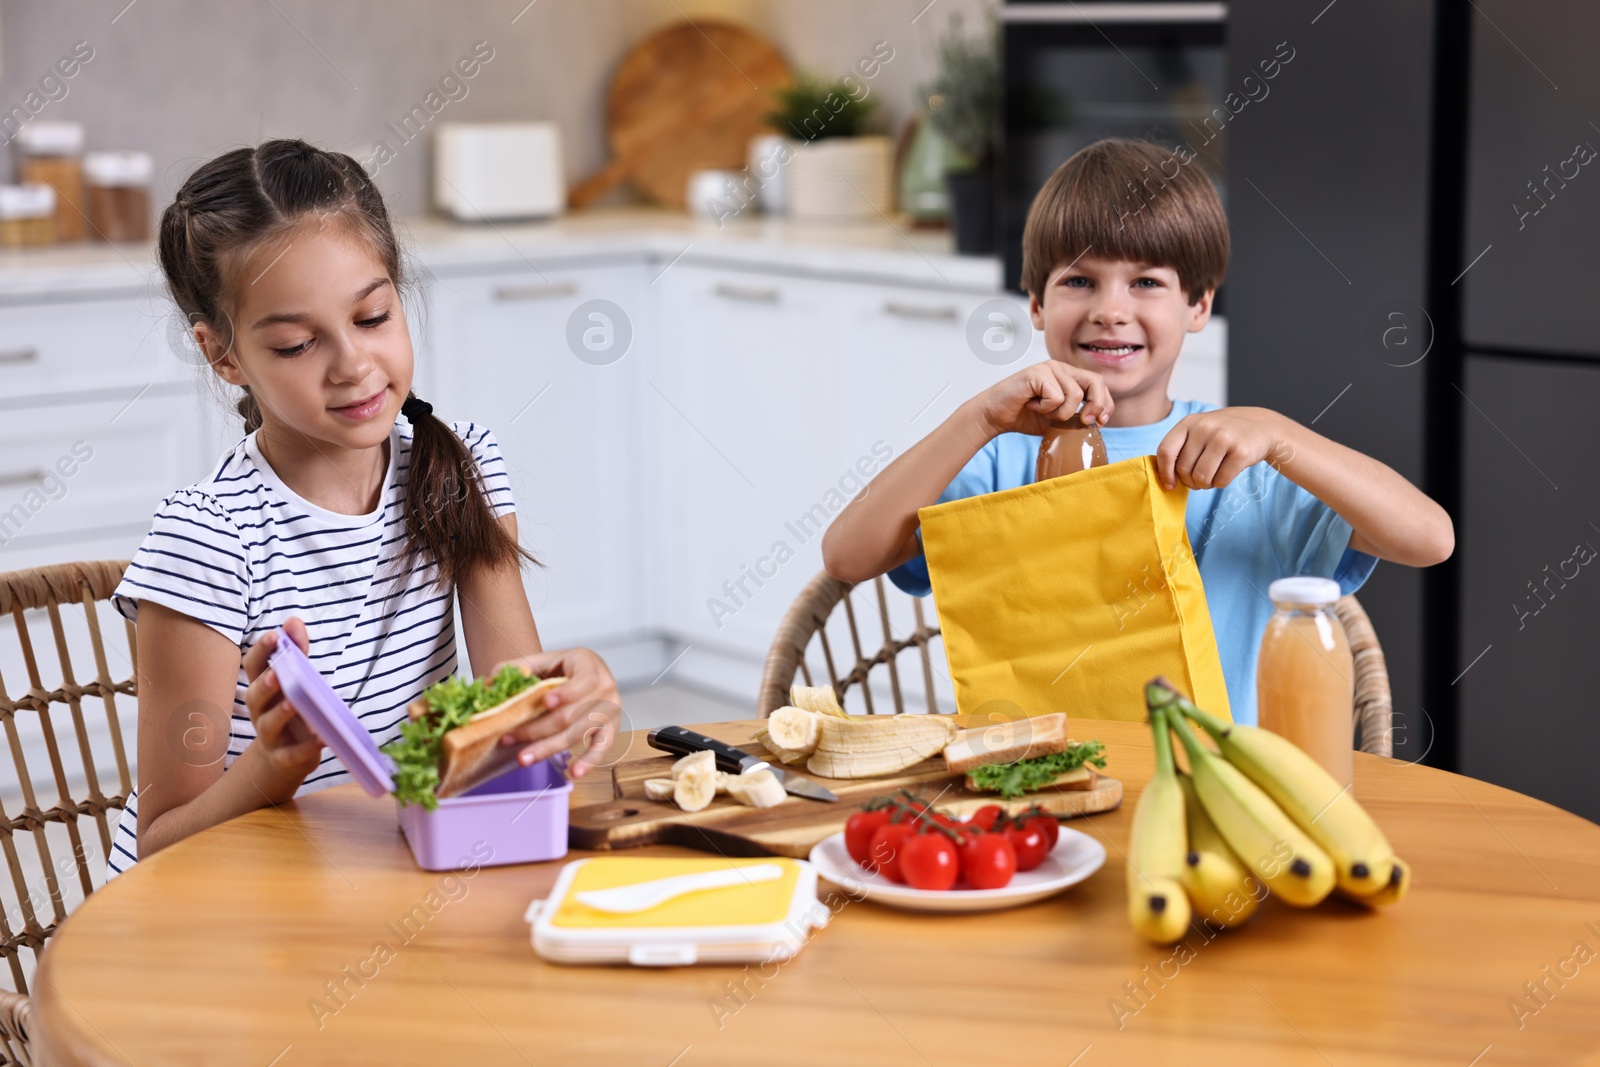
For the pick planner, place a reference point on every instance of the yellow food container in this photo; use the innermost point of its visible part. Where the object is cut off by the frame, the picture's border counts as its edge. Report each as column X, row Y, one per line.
column 767, row 920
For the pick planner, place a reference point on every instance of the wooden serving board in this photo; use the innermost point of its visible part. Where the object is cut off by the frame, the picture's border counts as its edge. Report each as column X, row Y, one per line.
column 687, row 98
column 795, row 826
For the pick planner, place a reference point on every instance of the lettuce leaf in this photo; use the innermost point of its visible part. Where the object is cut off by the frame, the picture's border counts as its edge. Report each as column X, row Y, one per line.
column 450, row 703
column 1012, row 780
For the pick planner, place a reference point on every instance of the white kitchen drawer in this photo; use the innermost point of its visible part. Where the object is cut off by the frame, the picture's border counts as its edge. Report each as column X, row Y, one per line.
column 67, row 345
column 69, row 470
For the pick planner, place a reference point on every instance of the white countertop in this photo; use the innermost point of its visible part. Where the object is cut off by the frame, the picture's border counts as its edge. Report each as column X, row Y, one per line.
column 882, row 251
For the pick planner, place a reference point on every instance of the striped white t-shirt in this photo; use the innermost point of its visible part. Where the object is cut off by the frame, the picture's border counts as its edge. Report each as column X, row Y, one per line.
column 242, row 553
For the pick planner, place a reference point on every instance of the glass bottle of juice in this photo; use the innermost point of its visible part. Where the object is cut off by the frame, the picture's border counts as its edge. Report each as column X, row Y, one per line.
column 1305, row 688
column 1069, row 445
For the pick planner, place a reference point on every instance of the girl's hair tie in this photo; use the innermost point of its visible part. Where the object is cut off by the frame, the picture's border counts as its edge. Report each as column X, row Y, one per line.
column 415, row 408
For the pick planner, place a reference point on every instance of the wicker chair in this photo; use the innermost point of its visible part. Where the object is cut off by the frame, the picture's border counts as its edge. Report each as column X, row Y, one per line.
column 51, row 589
column 806, row 619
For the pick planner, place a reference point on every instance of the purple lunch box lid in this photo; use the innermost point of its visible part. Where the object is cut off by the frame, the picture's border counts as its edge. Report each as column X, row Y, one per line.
column 330, row 718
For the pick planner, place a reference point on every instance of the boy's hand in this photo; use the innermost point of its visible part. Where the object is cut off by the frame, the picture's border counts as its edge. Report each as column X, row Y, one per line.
column 1209, row 449
column 1030, row 399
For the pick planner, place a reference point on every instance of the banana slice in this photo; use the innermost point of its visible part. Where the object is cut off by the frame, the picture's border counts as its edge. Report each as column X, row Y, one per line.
column 724, row 781
column 794, row 729
column 703, row 758
column 695, row 787
column 787, row 755
column 818, row 698
column 659, row 788
column 758, row 789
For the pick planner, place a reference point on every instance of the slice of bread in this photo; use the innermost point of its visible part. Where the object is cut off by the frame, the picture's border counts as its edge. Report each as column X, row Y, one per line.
column 1083, row 778
column 471, row 754
column 1007, row 742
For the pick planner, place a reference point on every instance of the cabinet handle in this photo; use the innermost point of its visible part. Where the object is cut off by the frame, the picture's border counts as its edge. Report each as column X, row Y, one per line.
column 545, row 291
column 942, row 313
column 26, row 477
column 746, row 293
column 1092, row 13
column 19, row 355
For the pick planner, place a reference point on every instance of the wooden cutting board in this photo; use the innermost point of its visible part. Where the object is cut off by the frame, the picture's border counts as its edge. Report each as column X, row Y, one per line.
column 793, row 827
column 687, row 98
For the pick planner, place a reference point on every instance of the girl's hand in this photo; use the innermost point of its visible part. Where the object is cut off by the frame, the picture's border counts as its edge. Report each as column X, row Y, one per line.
column 1030, row 399
column 584, row 711
column 285, row 745
column 1210, row 449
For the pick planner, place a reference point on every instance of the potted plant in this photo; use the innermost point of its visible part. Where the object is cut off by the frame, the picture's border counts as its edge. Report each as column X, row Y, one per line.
column 837, row 171
column 964, row 106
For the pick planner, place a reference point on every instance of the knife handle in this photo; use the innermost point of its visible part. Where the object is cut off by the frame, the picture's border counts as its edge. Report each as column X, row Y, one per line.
column 677, row 740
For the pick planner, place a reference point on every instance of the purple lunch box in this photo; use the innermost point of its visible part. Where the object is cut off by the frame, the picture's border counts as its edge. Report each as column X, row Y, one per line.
column 518, row 817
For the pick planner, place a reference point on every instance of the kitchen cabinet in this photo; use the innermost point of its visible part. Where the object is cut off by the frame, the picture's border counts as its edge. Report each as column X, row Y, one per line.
column 778, row 399
column 497, row 354
column 61, row 343
column 98, row 422
column 1529, row 534
column 93, row 469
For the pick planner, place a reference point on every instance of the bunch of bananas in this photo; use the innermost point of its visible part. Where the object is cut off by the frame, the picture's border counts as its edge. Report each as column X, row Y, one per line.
column 1259, row 815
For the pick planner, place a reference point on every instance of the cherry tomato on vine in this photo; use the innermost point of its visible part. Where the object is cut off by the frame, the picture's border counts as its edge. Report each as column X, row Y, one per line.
column 988, row 860
column 985, row 817
column 1046, row 823
column 888, row 842
column 928, row 861
column 1029, row 841
column 858, row 831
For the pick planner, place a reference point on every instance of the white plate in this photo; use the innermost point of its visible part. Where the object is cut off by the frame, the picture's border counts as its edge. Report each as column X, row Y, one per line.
column 1075, row 857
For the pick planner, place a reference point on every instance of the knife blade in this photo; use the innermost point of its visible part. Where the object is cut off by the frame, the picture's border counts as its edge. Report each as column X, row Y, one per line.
column 677, row 740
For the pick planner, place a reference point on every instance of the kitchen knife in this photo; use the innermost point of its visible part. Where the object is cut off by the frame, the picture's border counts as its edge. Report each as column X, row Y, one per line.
column 677, row 740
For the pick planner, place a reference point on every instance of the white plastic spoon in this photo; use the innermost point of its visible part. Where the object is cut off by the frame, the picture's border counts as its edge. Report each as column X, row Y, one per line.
column 625, row 899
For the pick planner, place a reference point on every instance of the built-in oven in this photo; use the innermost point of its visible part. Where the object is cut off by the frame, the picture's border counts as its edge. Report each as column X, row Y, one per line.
column 1078, row 72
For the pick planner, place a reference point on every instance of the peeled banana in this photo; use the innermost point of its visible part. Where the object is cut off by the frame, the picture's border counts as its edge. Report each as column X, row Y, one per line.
column 1157, row 906
column 859, row 746
column 818, row 698
column 758, row 788
column 1310, row 796
column 1271, row 845
column 659, row 788
column 1221, row 890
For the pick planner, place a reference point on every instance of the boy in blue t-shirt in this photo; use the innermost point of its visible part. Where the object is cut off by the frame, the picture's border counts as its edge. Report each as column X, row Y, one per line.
column 1123, row 250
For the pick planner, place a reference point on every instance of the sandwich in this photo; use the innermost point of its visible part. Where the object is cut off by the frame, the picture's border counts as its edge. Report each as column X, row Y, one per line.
column 1023, row 756
column 450, row 741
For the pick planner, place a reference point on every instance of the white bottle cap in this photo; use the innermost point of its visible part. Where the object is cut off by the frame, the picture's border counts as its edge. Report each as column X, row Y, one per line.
column 51, row 138
column 1304, row 590
column 32, row 201
column 118, row 168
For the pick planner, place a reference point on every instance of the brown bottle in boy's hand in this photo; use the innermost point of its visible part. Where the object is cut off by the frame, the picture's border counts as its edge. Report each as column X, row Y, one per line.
column 1068, row 447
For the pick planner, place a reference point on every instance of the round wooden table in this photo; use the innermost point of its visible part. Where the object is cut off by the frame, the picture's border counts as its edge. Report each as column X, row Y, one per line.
column 221, row 949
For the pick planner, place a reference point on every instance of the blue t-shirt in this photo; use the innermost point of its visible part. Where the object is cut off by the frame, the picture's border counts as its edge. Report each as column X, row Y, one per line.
column 1259, row 528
